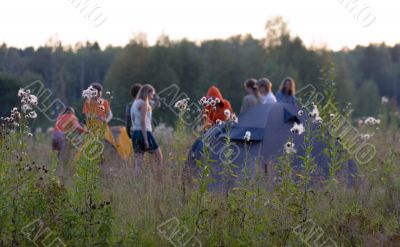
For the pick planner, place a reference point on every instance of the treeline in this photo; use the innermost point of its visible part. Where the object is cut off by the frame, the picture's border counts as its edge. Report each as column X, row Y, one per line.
column 362, row 75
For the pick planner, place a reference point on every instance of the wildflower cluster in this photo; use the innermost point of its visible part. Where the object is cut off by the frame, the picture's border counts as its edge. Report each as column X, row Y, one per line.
column 92, row 93
column 209, row 102
column 372, row 121
column 229, row 117
column 210, row 106
column 28, row 102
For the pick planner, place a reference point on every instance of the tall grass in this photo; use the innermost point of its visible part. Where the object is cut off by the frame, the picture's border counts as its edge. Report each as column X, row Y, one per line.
column 125, row 210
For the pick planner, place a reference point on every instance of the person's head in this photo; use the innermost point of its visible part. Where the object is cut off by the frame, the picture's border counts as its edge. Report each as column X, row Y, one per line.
column 264, row 86
column 135, row 90
column 98, row 87
column 146, row 92
column 288, row 86
column 69, row 110
column 251, row 87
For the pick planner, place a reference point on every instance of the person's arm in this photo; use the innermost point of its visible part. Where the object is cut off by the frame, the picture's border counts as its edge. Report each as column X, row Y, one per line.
column 143, row 111
column 77, row 125
column 273, row 98
column 244, row 105
column 85, row 110
column 109, row 115
column 278, row 96
column 128, row 120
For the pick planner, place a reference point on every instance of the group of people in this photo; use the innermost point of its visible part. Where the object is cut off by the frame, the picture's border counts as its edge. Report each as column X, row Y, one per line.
column 260, row 92
column 98, row 114
column 139, row 114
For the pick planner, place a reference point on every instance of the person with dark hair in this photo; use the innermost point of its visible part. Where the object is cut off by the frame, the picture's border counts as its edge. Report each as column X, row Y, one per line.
column 286, row 91
column 142, row 136
column 98, row 108
column 265, row 87
column 98, row 112
column 67, row 127
column 66, row 123
column 128, row 118
column 253, row 97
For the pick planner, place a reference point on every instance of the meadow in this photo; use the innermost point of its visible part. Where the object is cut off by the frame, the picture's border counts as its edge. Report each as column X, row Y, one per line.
column 77, row 201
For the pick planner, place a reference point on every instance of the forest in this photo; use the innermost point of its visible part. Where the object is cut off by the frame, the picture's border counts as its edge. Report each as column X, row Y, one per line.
column 362, row 75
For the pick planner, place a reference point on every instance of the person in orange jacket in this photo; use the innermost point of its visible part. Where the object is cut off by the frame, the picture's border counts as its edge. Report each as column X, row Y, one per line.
column 216, row 109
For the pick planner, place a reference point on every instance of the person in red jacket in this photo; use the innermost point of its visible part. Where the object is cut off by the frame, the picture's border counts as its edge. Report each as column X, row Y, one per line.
column 216, row 109
column 66, row 123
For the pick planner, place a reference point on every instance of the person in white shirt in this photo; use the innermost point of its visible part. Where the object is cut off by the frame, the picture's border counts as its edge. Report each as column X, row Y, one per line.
column 265, row 87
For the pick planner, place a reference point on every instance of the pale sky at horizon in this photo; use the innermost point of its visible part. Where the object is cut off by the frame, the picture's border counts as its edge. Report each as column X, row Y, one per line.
column 318, row 22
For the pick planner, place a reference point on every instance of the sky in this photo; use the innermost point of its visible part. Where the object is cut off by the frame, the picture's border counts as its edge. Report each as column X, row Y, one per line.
column 319, row 23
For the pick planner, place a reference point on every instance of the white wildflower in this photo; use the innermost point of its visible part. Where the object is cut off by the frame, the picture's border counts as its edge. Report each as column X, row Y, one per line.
column 247, row 136
column 332, row 116
column 30, row 135
column 227, row 113
column 234, row 118
column 203, row 101
column 219, row 122
column 384, row 100
column 182, row 105
column 16, row 114
column 289, row 148
column 90, row 93
column 21, row 92
column 300, row 113
column 217, row 100
column 100, row 101
column 209, row 101
column 314, row 113
column 366, row 137
column 297, row 129
column 32, row 99
column 32, row 114
column 318, row 120
column 108, row 92
column 25, row 108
